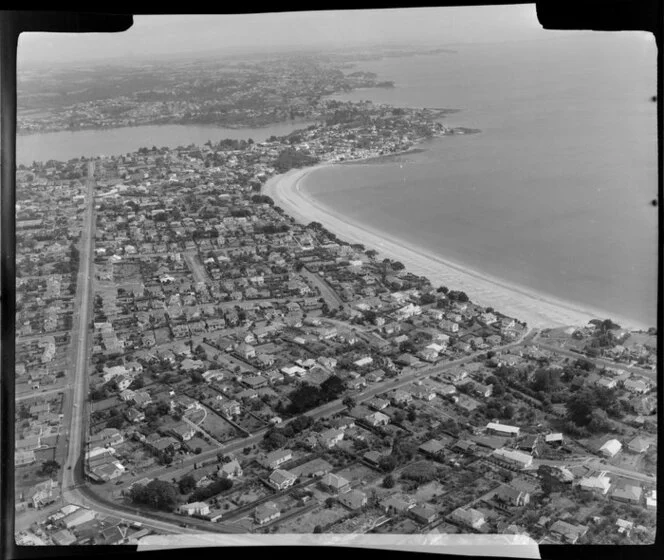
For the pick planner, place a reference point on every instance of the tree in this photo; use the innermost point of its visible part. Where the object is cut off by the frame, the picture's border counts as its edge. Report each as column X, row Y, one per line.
column 508, row 411
column 158, row 494
column 115, row 422
column 49, row 468
column 274, row 439
column 580, row 407
column 399, row 417
column 186, row 484
column 349, row 402
column 388, row 481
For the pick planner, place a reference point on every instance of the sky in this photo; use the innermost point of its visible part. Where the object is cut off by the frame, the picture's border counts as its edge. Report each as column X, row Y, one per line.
column 168, row 35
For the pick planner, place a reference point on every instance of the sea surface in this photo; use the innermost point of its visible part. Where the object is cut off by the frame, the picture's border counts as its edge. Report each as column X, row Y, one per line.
column 555, row 194
column 66, row 145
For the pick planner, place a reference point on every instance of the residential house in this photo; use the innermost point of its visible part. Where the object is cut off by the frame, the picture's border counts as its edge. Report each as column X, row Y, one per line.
column 43, row 493
column 275, row 458
column 468, row 517
column 433, row 448
column 567, row 532
column 554, row 439
column 194, row 508
column 378, row 403
column 134, row 415
column 638, row 445
column 502, row 429
column 230, row 470
column 78, row 517
column 373, row 458
column 353, row 499
column 636, row 386
column 376, row 419
column 424, row 514
column 229, row 408
column 401, row 397
column 507, row 495
column 628, row 493
column 282, row 479
column 397, row 504
column 335, row 484
column 512, row 459
column 183, row 431
column 611, row 448
column 329, row 438
column 264, row 513
column 599, row 484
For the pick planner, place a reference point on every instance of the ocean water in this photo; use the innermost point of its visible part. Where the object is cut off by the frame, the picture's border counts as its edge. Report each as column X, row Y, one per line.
column 555, row 194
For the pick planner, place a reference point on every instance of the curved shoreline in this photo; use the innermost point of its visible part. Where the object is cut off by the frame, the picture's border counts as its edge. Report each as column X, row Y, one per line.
column 537, row 309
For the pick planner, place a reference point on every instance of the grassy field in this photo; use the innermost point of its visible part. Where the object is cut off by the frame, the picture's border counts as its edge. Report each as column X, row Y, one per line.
column 355, row 474
column 218, row 428
column 319, row 516
column 198, row 441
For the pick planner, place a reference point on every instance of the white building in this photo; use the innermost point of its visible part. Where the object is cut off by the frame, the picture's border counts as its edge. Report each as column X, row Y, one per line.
column 611, row 448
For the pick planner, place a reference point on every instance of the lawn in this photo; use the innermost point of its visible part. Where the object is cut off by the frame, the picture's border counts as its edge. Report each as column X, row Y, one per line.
column 47, row 454
column 218, row 428
column 357, row 473
column 249, row 423
column 248, row 495
column 105, row 404
column 198, row 441
column 428, row 491
column 319, row 516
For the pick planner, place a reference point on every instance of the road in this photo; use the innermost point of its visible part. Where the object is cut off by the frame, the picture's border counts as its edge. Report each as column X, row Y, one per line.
column 652, row 375
column 595, row 464
column 38, row 395
column 327, row 293
column 73, row 467
column 74, row 490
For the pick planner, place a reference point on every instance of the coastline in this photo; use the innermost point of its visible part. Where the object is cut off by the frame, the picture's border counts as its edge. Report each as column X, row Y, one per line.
column 537, row 309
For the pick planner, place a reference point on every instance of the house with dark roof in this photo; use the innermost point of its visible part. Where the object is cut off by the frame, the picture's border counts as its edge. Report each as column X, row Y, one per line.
column 353, row 499
column 335, row 483
column 432, row 448
column 638, row 445
column 566, row 532
column 264, row 513
column 424, row 514
column 628, row 493
column 508, row 496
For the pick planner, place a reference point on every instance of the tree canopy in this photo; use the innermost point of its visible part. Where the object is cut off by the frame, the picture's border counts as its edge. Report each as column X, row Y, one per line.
column 158, row 494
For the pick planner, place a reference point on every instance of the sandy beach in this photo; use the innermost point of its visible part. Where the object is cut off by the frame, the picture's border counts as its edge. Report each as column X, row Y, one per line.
column 536, row 309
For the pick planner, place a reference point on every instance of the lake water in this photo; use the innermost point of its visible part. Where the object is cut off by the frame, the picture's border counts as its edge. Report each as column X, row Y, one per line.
column 554, row 194
column 66, row 145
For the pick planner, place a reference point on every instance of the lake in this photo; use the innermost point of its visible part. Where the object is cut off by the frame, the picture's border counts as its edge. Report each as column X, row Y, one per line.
column 66, row 145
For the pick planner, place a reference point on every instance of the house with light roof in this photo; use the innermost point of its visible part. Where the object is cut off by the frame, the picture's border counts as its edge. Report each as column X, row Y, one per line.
column 611, row 448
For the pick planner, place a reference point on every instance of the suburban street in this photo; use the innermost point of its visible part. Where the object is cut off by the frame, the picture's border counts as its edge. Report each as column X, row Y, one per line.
column 73, row 468
column 652, row 375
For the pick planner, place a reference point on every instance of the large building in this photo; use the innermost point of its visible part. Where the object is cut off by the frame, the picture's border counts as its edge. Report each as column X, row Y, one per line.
column 512, row 459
